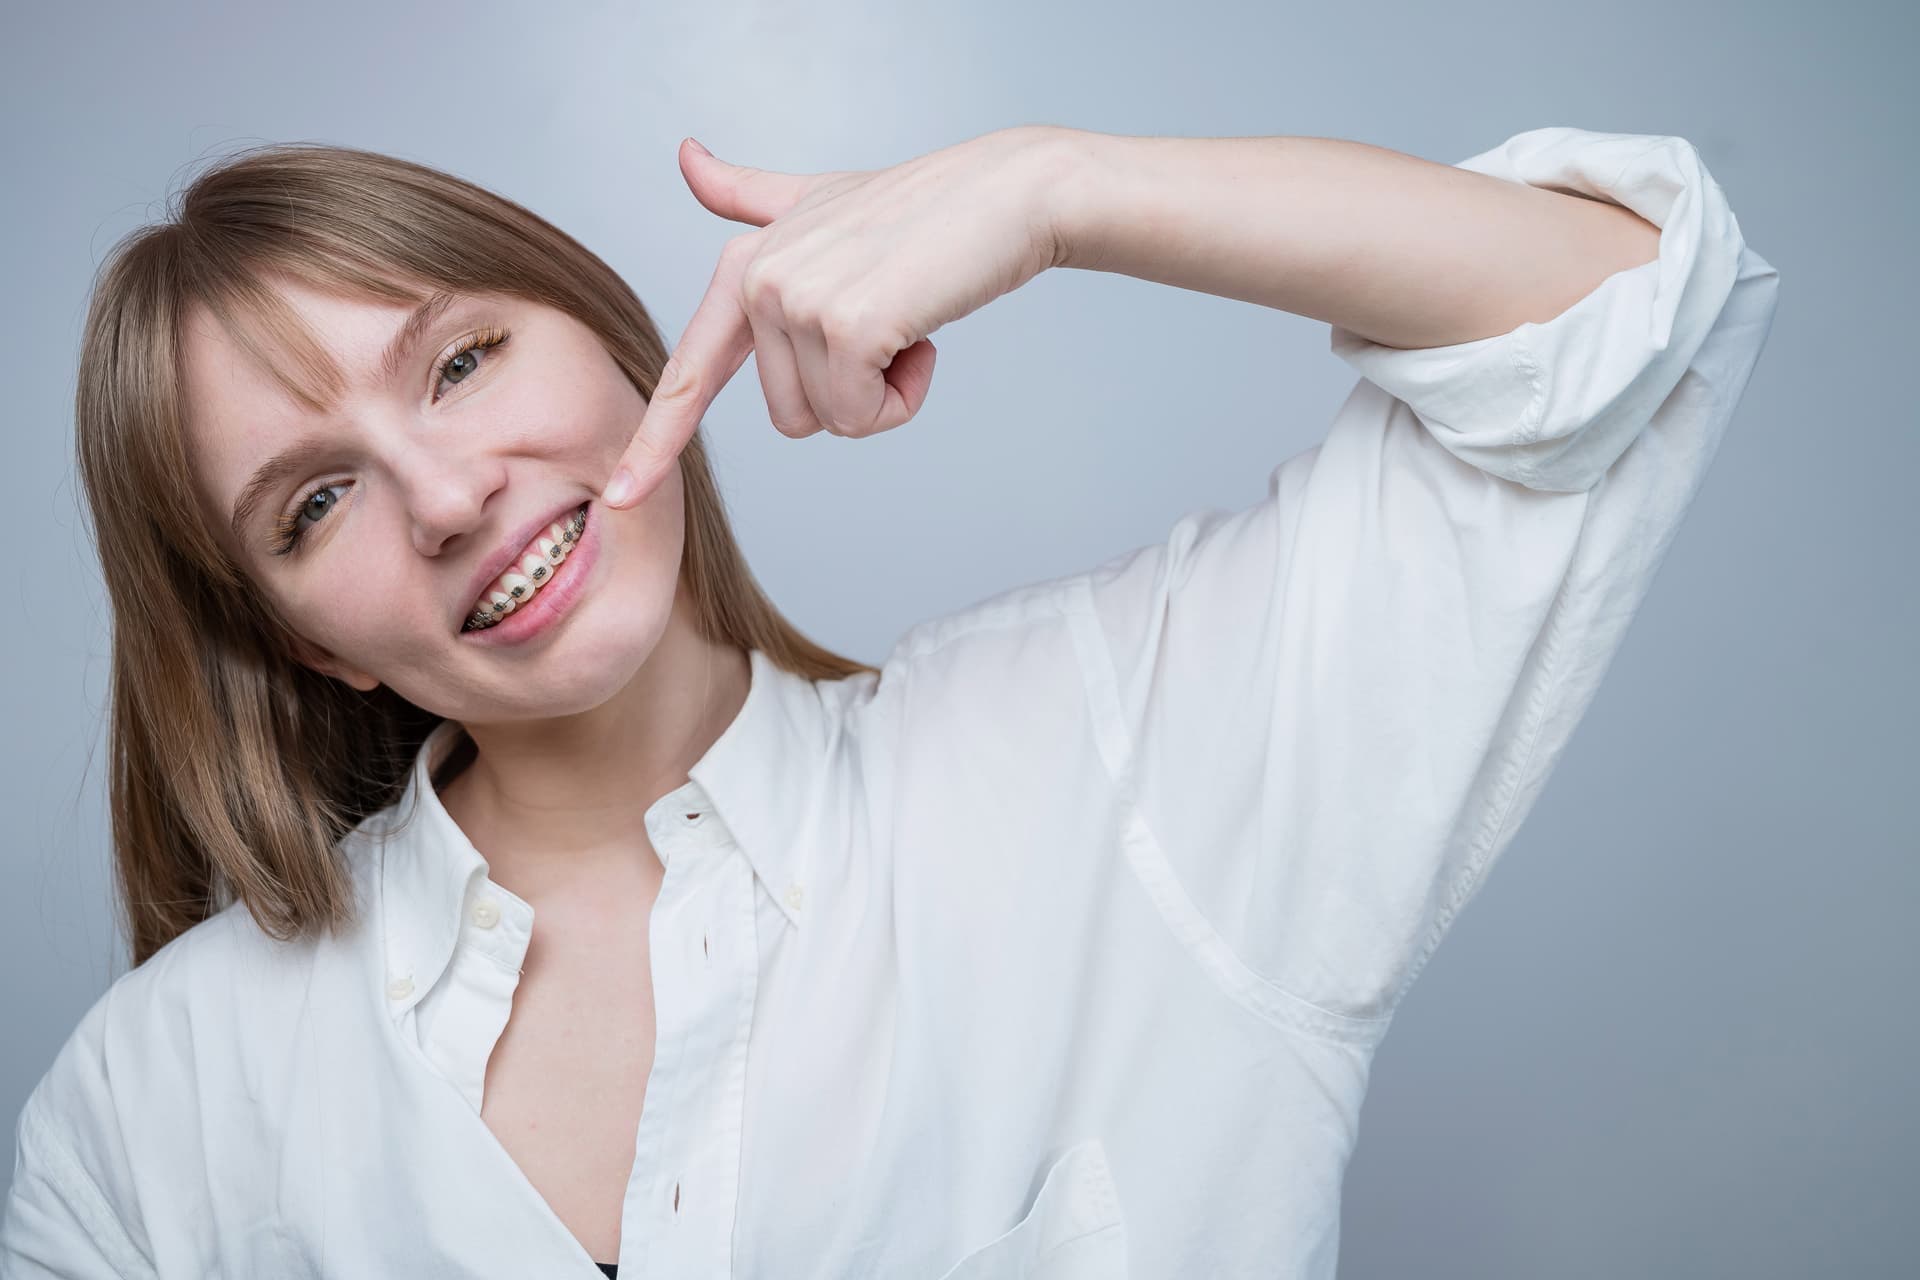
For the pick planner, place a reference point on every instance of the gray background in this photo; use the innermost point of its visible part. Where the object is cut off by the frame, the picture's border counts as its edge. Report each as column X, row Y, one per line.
column 1672, row 1036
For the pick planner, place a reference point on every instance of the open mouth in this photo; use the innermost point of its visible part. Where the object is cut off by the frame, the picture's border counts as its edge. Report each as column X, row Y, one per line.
column 540, row 563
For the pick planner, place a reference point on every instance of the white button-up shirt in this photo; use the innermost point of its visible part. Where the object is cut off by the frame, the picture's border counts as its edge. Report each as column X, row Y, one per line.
column 1060, row 948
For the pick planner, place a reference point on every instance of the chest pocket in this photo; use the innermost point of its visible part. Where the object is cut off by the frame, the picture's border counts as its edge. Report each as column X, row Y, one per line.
column 1073, row 1231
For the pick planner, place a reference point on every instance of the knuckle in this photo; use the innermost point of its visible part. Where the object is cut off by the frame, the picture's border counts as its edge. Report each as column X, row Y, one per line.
column 757, row 284
column 800, row 306
column 843, row 321
column 677, row 381
column 648, row 454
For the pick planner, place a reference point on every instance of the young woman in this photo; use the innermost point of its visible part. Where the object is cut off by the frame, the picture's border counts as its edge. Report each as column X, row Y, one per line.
column 512, row 889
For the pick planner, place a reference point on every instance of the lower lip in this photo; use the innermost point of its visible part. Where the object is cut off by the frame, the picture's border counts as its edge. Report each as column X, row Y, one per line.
column 551, row 602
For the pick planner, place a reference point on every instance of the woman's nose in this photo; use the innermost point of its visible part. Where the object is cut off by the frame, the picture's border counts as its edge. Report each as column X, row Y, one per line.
column 447, row 498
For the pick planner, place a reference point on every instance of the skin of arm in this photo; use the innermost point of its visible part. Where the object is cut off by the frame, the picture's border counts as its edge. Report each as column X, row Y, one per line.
column 1403, row 251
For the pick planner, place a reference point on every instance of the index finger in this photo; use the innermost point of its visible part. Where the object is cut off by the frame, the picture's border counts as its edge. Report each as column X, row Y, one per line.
column 716, row 343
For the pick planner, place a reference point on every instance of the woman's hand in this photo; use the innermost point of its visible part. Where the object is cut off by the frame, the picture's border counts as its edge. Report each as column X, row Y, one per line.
column 840, row 286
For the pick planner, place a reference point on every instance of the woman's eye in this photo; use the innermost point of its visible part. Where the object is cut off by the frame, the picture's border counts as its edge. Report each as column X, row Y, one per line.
column 460, row 364
column 315, row 506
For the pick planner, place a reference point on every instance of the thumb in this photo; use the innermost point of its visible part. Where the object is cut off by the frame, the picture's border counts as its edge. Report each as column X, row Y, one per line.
column 755, row 196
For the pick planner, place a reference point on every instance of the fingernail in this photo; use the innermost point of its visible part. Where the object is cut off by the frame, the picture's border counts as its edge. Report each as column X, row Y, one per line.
column 698, row 147
column 621, row 488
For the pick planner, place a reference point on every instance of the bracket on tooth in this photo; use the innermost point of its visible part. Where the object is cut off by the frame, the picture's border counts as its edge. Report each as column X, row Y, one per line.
column 569, row 533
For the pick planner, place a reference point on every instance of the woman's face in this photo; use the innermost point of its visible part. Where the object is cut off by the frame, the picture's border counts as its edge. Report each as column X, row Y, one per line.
column 402, row 502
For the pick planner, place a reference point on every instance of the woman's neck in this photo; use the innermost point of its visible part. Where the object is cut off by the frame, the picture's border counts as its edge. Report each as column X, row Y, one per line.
column 544, row 801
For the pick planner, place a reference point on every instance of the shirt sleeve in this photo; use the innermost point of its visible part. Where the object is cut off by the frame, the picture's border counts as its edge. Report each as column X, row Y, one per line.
column 1331, row 711
column 59, row 1219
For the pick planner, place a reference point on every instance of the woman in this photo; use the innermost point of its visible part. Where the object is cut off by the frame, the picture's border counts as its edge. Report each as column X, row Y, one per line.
column 1059, row 944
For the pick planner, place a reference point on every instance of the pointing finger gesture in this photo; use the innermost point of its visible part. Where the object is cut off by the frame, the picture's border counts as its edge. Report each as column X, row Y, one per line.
column 840, row 286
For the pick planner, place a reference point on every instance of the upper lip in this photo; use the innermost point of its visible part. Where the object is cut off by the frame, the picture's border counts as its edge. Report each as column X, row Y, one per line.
column 507, row 555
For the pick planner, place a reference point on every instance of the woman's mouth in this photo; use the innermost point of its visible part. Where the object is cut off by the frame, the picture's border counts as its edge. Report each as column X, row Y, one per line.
column 538, row 567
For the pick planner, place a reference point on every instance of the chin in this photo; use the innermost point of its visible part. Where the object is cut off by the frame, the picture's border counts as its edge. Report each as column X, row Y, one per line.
column 589, row 664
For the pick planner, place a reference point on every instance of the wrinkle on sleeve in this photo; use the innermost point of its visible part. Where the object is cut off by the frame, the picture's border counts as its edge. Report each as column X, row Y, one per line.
column 1333, row 709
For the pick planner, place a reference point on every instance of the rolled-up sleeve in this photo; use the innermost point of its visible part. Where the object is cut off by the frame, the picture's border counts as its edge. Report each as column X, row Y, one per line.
column 1332, row 710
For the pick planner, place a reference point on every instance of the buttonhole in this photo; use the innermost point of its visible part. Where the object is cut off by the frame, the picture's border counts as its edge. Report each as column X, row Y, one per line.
column 676, row 1197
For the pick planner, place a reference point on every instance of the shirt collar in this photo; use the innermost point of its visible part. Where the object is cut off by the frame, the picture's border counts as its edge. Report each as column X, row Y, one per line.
column 759, row 786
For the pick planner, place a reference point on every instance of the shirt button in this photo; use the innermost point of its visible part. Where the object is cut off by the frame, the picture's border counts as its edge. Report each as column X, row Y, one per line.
column 400, row 988
column 795, row 897
column 486, row 913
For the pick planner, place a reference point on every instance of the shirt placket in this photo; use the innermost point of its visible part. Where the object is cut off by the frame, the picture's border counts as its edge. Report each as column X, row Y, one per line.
column 460, row 1021
column 677, row 1219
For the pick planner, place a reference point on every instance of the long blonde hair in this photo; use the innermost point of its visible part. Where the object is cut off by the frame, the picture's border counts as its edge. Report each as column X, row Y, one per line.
column 235, row 769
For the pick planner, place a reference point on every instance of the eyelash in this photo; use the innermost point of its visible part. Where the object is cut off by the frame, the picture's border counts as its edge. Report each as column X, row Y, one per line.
column 286, row 528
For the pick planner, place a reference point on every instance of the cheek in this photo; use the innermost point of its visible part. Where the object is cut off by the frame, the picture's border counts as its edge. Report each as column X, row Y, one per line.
column 578, row 415
column 371, row 619
column 653, row 534
column 639, row 564
column 609, row 420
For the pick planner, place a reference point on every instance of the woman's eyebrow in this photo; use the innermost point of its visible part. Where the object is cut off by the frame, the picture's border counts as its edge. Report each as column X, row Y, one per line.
column 411, row 330
column 267, row 477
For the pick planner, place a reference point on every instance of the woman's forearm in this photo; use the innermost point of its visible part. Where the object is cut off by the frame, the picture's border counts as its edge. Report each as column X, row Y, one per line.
column 1403, row 251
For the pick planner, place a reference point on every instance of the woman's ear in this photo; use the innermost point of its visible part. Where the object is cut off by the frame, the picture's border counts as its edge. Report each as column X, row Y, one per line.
column 319, row 659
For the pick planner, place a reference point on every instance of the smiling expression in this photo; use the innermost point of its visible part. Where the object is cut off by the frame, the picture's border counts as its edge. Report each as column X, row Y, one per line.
column 368, row 526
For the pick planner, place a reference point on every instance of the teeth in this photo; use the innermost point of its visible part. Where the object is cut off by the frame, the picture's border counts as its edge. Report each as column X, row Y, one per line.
column 518, row 584
column 498, row 606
